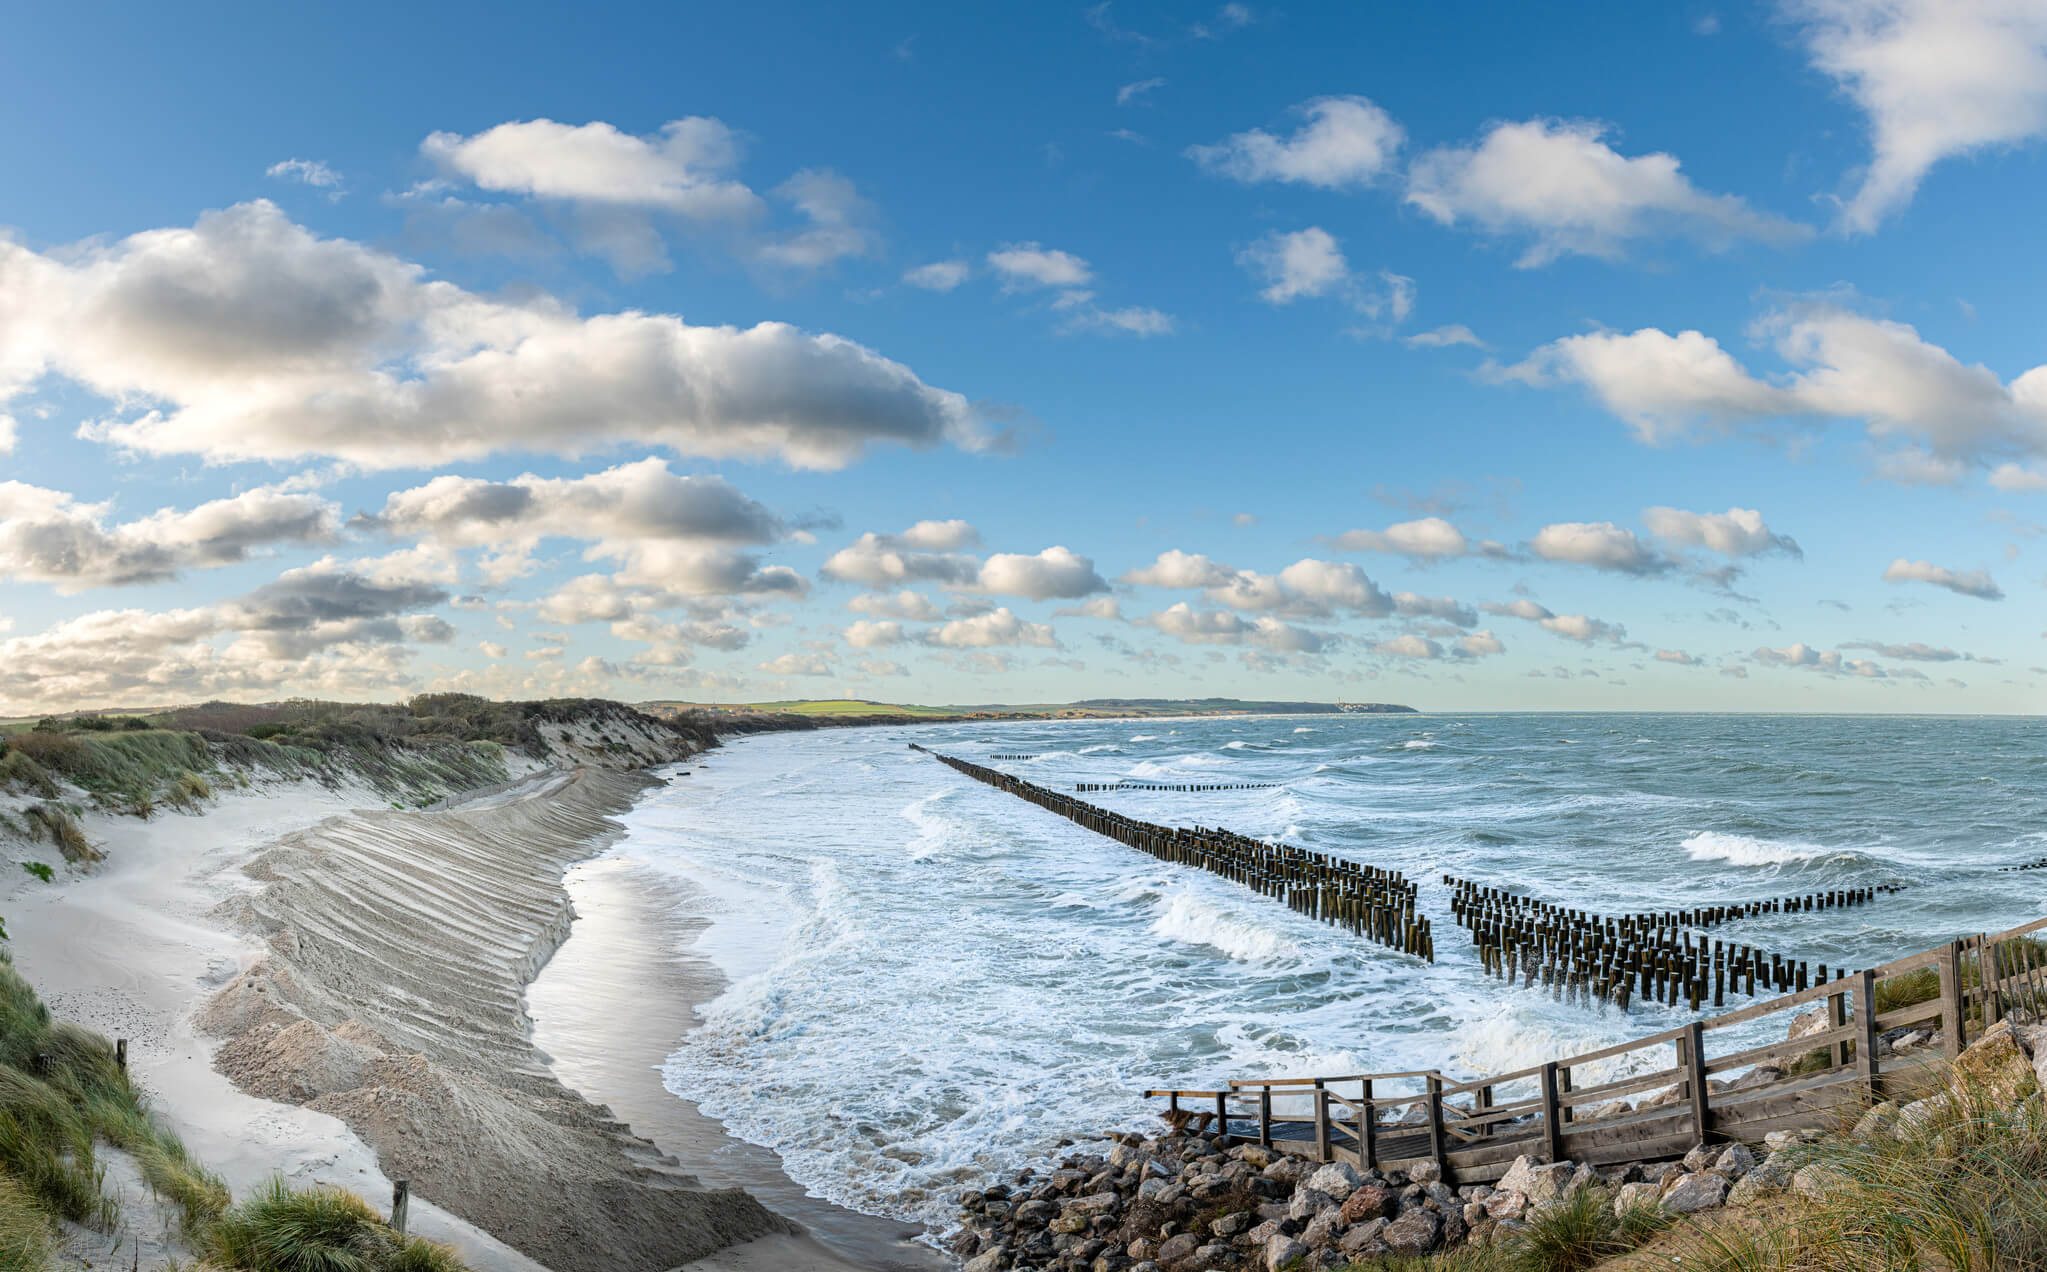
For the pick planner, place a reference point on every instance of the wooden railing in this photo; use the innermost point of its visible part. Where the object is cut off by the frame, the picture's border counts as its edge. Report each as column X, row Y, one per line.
column 1474, row 1134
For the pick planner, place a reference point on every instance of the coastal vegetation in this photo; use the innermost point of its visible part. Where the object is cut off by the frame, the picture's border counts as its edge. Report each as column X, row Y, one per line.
column 67, row 1105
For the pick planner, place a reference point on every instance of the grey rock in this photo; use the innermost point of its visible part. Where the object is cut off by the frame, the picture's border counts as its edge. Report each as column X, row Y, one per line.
column 1263, row 1233
column 1213, row 1255
column 1539, row 1181
column 1365, row 1238
column 1175, row 1248
column 1817, row 1180
column 1633, row 1195
column 993, row 1261
column 1282, row 1250
column 1093, row 1203
column 1706, row 1190
column 1337, row 1179
column 1506, row 1204
column 1700, row 1158
column 1415, row 1232
column 1878, row 1121
column 1425, row 1172
column 1735, row 1161
column 1321, row 1233
column 1231, row 1225
column 1308, row 1203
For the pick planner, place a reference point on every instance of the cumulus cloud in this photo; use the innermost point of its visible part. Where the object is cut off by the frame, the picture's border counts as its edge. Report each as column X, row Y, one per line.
column 1056, row 572
column 2010, row 478
column 1907, row 393
column 1976, row 583
column 793, row 664
column 640, row 500
column 1738, row 532
column 1409, row 646
column 1447, row 608
column 837, row 222
column 1301, row 263
column 247, row 337
column 1678, row 656
column 906, row 604
column 1344, row 141
column 1426, row 539
column 1523, row 608
column 1827, row 662
column 1026, row 265
column 684, row 168
column 1915, row 651
column 1936, row 78
column 939, row 276
column 1479, row 644
column 1445, row 337
column 312, row 172
column 1177, row 569
column 1558, row 184
column 1599, row 544
column 47, row 536
column 997, row 627
column 1222, row 627
column 883, row 561
column 1105, row 608
column 870, row 634
column 1582, row 629
column 1306, row 589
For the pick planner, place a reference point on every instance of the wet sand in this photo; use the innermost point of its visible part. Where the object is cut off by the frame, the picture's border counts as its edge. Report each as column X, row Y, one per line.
column 609, row 1008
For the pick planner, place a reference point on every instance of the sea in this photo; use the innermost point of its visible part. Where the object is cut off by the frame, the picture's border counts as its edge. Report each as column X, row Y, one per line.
column 932, row 982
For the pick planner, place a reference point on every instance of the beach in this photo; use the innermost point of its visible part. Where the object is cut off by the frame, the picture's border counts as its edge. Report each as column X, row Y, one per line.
column 318, row 988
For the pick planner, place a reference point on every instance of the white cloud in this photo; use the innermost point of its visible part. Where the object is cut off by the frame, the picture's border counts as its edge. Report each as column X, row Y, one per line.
column 1827, row 662
column 1678, row 656
column 1427, row 539
column 867, row 634
column 1905, row 391
column 1302, row 263
column 1409, row 646
column 1138, row 91
column 1599, row 544
column 914, row 606
column 1523, row 608
column 1346, row 141
column 997, row 627
column 1976, row 583
column 246, row 337
column 1025, row 265
column 940, row 536
column 312, row 172
column 1738, row 532
column 1105, row 608
column 939, row 276
column 47, row 536
column 1479, row 644
column 1178, row 569
column 1447, row 608
column 2011, row 478
column 681, row 169
column 1056, row 572
column 1583, row 629
column 1559, row 184
column 1221, row 627
column 838, row 219
column 1445, row 337
column 1306, row 589
column 885, row 560
column 798, row 665
column 1936, row 78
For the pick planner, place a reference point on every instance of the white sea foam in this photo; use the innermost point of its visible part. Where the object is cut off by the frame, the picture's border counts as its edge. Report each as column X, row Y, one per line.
column 1196, row 921
column 1146, row 737
column 1235, row 746
column 1749, row 850
column 1305, row 729
column 1418, row 744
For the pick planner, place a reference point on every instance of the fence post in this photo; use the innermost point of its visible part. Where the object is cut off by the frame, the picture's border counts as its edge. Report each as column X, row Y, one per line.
column 1990, row 975
column 1837, row 1015
column 401, row 1201
column 1222, row 1118
column 1949, row 963
column 1866, row 1037
column 1436, row 1125
column 1692, row 1055
column 1321, row 1121
column 1485, row 1105
column 1265, row 1116
column 1565, row 1113
column 1552, row 1131
column 121, row 1054
column 1368, row 1128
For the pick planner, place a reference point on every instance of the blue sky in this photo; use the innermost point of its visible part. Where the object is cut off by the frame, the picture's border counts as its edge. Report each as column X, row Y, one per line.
column 1664, row 357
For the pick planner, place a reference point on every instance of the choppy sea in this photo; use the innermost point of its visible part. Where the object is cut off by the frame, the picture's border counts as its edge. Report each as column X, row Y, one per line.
column 932, row 980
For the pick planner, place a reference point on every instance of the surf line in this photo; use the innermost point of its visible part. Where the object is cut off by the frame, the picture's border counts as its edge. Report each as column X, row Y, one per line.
column 1373, row 904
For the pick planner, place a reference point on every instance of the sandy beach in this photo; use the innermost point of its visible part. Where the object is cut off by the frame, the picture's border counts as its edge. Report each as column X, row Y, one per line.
column 316, row 987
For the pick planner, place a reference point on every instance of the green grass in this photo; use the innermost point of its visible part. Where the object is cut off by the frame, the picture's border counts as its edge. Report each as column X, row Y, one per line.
column 850, row 707
column 283, row 1229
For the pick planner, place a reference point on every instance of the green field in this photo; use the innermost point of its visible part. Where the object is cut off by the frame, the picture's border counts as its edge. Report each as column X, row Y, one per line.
column 849, row 707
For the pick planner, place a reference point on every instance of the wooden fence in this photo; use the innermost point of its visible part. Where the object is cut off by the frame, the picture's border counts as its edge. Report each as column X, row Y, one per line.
column 1572, row 1109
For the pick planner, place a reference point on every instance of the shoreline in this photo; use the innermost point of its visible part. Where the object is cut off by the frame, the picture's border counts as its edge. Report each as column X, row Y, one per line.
column 610, row 1007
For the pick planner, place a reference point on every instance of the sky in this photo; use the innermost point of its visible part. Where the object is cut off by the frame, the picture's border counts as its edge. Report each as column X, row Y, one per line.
column 1470, row 356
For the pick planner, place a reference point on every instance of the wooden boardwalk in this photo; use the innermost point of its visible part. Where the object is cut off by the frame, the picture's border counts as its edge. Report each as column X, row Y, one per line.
column 1577, row 1109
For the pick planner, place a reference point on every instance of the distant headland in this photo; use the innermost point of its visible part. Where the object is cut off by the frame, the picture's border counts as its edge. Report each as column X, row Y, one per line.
column 831, row 711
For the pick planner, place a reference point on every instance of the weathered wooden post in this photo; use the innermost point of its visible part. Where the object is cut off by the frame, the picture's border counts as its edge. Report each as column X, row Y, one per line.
column 1436, row 1125
column 1866, row 1036
column 401, row 1202
column 1321, row 1121
column 1837, row 1015
column 1265, row 1116
column 121, row 1054
column 1368, row 1128
column 1949, row 964
column 1222, row 1118
column 1692, row 1057
column 1552, row 1129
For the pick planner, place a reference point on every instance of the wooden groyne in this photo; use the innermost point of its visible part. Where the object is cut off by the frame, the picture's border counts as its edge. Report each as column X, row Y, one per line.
column 1377, row 905
column 1652, row 955
column 1837, row 1057
column 1157, row 786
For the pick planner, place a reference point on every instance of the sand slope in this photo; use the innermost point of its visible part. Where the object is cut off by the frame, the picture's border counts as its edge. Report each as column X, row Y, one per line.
column 398, row 947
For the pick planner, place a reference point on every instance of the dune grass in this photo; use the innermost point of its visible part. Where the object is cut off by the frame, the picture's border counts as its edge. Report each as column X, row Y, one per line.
column 63, row 1096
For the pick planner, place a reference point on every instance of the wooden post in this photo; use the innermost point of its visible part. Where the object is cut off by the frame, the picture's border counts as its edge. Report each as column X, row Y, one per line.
column 1949, row 963
column 1564, row 1111
column 1837, row 1015
column 1991, row 977
column 1436, row 1126
column 1265, row 1116
column 1865, row 1038
column 401, row 1199
column 1321, row 1121
column 1485, row 1105
column 1552, row 1130
column 121, row 1054
column 1368, row 1129
column 1692, row 1056
column 1222, row 1118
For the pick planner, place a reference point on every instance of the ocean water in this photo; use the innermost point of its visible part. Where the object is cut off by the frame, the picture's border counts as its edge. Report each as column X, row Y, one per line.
column 933, row 981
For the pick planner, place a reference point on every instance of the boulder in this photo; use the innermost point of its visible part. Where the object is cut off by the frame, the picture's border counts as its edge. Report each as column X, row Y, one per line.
column 1094, row 1203
column 1915, row 1117
column 992, row 1261
column 1734, row 1161
column 1231, row 1225
column 1700, row 1158
column 1807, row 1023
column 1369, row 1201
column 1308, row 1203
column 1213, row 1255
column 1776, row 1141
column 1609, row 1108
column 1994, row 1068
column 1474, row 1214
column 1540, row 1182
column 1264, row 1232
column 1288, row 1169
column 1282, row 1250
column 1633, row 1195
column 1878, row 1121
column 1425, row 1172
column 1706, row 1190
column 1257, row 1156
column 1175, row 1248
column 1817, row 1180
column 1366, row 1238
column 1506, row 1205
column 1068, row 1224
column 1336, row 1179
column 1321, row 1232
column 1415, row 1232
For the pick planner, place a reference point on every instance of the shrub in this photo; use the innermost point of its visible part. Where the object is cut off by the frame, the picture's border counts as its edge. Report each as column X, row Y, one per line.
column 283, row 1229
column 19, row 771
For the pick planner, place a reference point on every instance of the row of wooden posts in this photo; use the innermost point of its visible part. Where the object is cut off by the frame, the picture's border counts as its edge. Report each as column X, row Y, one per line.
column 1580, row 954
column 1376, row 905
column 1154, row 786
column 1012, row 757
column 2041, row 864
